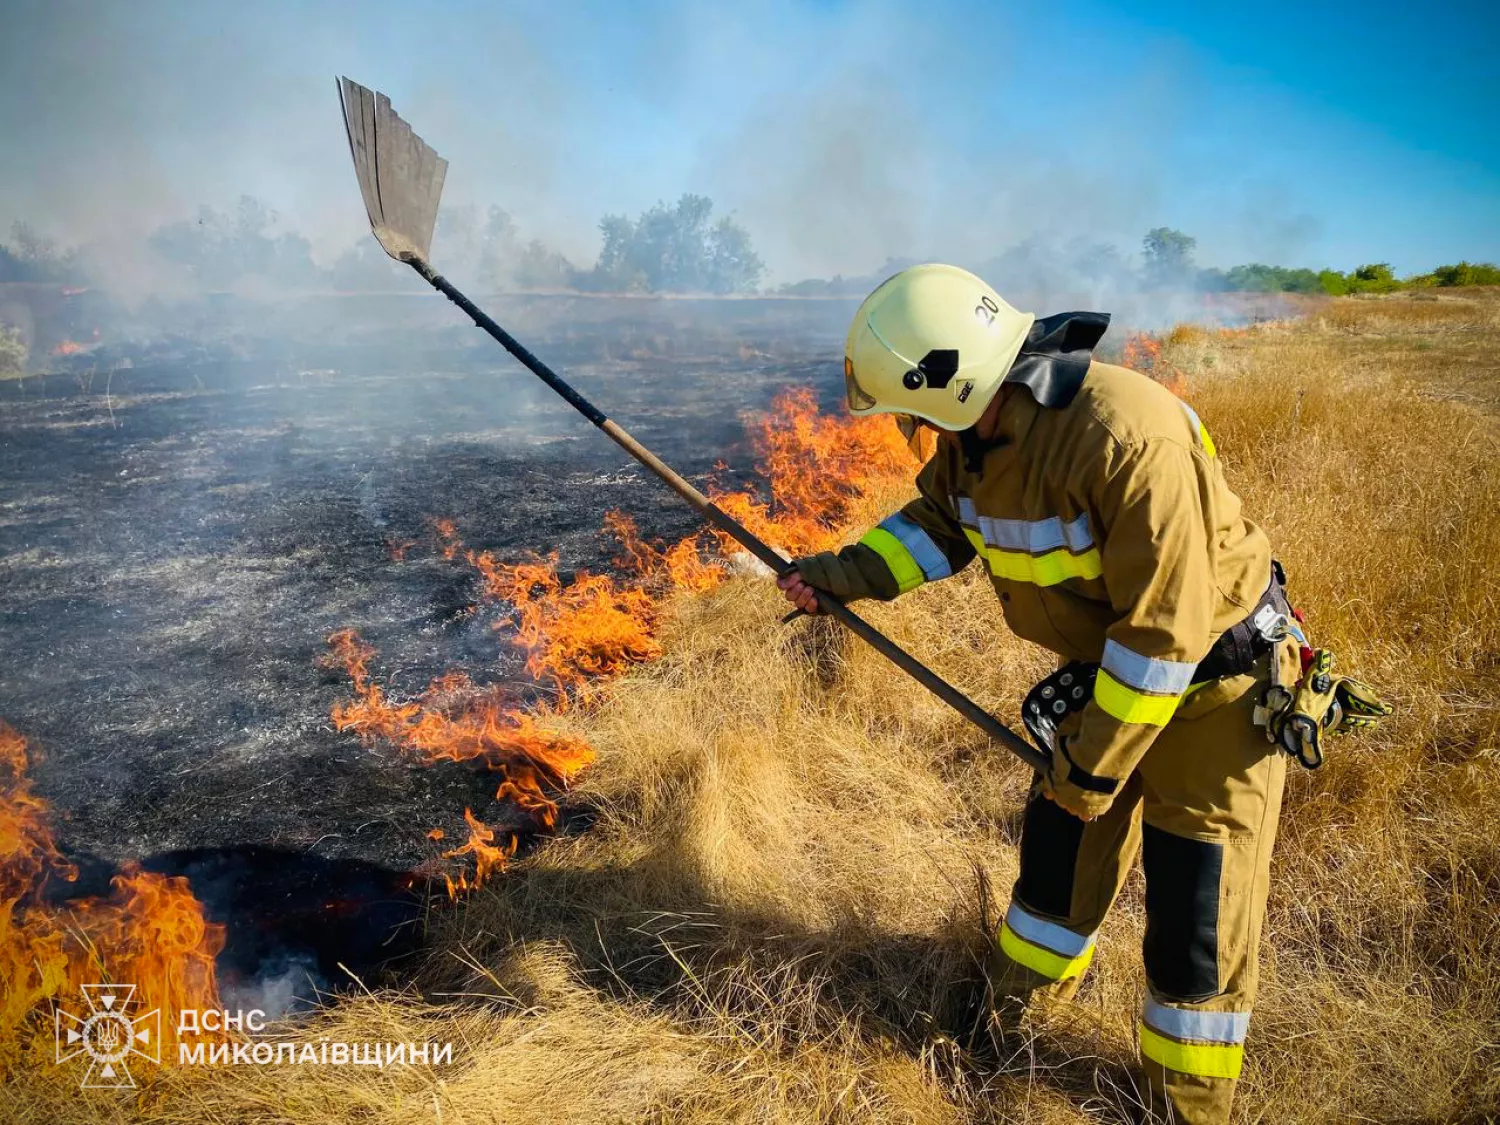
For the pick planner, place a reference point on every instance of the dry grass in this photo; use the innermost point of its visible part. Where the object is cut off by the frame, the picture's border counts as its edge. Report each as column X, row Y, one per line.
column 776, row 915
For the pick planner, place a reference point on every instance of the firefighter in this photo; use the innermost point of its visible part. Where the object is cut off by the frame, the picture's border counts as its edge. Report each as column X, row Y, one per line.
column 1095, row 500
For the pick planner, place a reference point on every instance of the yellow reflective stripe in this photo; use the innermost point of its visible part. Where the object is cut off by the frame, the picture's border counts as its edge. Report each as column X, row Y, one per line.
column 1040, row 570
column 904, row 566
column 1051, row 965
column 1207, row 1060
column 1208, row 442
column 1131, row 706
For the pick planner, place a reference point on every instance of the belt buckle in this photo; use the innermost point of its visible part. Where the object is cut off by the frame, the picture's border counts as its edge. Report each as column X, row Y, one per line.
column 1270, row 624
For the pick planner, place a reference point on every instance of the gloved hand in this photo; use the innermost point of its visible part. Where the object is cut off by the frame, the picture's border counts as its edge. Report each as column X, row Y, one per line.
column 825, row 570
column 853, row 573
column 1085, row 804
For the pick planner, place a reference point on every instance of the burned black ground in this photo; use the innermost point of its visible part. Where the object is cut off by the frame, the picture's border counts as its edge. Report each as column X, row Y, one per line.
column 179, row 537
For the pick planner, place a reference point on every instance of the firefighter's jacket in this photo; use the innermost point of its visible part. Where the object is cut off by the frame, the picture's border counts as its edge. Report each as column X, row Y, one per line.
column 1110, row 536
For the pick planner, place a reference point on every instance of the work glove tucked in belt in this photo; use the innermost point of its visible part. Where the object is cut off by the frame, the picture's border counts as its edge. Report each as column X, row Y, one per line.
column 1297, row 717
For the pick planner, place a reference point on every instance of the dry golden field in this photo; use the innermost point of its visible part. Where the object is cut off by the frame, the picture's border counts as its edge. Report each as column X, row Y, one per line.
column 778, row 914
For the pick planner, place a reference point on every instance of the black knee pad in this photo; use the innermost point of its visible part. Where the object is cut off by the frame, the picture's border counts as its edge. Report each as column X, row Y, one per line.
column 1182, row 915
column 1050, row 838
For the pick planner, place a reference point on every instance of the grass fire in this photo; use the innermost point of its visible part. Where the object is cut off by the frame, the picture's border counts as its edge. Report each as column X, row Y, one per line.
column 771, row 907
column 772, row 590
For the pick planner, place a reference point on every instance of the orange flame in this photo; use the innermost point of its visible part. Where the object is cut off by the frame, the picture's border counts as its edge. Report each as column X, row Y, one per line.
column 590, row 629
column 69, row 347
column 679, row 567
column 455, row 721
column 816, row 466
column 150, row 931
column 1142, row 352
column 580, row 634
column 488, row 858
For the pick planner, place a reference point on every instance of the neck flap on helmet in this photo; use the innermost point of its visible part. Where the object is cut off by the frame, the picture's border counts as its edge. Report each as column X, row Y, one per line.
column 1055, row 357
column 1051, row 365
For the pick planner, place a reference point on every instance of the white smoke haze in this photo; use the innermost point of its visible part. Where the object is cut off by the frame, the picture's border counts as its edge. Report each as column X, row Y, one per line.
column 118, row 120
column 283, row 985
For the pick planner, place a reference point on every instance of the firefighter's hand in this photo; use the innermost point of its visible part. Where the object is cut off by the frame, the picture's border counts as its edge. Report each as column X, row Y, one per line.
column 1066, row 800
column 1085, row 804
column 798, row 592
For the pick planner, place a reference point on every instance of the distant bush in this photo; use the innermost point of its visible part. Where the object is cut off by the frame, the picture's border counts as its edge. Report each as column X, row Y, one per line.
column 1467, row 273
column 1258, row 278
column 31, row 257
column 1333, row 283
column 1374, row 278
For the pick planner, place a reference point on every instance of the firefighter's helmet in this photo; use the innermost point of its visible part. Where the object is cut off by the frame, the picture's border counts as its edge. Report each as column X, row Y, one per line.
column 934, row 341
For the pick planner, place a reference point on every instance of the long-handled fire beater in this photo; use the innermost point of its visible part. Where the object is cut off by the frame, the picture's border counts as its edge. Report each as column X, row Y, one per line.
column 401, row 178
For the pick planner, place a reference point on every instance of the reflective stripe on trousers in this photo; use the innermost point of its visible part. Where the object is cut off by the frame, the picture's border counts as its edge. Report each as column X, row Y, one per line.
column 1044, row 947
column 1208, row 1044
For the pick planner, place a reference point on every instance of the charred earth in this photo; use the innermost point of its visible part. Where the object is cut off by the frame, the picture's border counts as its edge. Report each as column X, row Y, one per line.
column 184, row 522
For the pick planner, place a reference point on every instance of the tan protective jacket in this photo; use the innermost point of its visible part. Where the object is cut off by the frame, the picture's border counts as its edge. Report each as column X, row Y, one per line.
column 1110, row 536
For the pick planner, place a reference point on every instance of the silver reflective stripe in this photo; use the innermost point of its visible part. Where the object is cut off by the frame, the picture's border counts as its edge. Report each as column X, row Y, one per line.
column 928, row 554
column 1037, row 537
column 1033, row 537
column 1049, row 935
column 1192, row 414
column 1182, row 1023
column 1146, row 673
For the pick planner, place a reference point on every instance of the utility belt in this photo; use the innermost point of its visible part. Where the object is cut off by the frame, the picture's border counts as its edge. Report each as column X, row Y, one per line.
column 1294, row 714
column 1236, row 652
column 1240, row 646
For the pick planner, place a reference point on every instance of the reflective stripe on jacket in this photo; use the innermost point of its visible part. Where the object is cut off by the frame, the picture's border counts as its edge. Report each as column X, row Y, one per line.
column 1110, row 536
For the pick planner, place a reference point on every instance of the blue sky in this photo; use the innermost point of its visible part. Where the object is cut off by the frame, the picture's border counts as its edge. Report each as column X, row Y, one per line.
column 839, row 133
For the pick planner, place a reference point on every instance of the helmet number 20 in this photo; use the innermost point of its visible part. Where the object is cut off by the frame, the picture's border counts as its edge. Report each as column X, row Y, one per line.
column 985, row 311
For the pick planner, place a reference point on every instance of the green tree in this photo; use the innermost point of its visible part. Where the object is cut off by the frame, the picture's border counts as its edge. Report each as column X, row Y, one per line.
column 1169, row 256
column 1376, row 277
column 33, row 257
column 1467, row 273
column 676, row 249
column 1333, row 283
column 219, row 248
column 540, row 267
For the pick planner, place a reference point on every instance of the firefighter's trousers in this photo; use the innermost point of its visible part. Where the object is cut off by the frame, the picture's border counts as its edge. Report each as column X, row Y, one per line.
column 1202, row 806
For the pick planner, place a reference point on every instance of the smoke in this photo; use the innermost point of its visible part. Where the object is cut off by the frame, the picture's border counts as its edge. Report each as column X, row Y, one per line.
column 284, row 984
column 839, row 136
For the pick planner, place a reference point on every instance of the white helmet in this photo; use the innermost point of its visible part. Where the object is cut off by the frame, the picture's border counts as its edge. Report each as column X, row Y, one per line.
column 934, row 341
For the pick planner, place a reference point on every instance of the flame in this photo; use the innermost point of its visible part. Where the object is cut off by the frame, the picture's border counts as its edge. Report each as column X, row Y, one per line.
column 70, row 347
column 150, row 931
column 680, row 567
column 815, row 466
column 581, row 633
column 573, row 634
column 1142, row 352
column 488, row 858
column 454, row 720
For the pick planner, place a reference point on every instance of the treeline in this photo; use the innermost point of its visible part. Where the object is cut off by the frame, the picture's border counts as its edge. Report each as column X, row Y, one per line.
column 1168, row 256
column 681, row 248
column 1167, row 263
column 677, row 248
